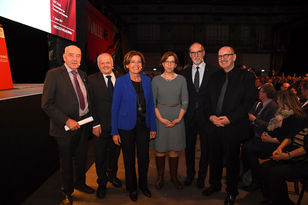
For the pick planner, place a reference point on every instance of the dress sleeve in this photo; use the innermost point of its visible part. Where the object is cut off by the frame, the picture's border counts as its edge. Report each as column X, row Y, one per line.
column 184, row 94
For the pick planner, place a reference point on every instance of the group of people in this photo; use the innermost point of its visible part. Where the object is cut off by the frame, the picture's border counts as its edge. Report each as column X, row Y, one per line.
column 132, row 112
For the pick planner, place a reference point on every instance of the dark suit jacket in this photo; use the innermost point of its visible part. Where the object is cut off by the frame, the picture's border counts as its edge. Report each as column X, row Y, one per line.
column 195, row 96
column 261, row 122
column 101, row 100
column 239, row 98
column 59, row 100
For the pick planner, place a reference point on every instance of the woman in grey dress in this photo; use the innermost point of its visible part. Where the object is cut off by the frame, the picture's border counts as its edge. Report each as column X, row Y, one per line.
column 171, row 100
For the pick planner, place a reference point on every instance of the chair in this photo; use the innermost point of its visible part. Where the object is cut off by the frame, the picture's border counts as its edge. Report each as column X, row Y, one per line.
column 304, row 188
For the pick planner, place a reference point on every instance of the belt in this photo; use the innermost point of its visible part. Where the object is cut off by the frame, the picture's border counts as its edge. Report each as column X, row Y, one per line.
column 169, row 105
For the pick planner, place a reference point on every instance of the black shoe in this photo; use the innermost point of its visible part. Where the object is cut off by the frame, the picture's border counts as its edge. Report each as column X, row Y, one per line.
column 133, row 196
column 68, row 200
column 200, row 183
column 146, row 192
column 116, row 182
column 85, row 188
column 266, row 202
column 210, row 190
column 252, row 187
column 101, row 192
column 188, row 180
column 230, row 199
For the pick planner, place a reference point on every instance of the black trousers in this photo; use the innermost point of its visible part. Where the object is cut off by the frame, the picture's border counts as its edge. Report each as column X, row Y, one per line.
column 193, row 127
column 106, row 157
column 251, row 152
column 73, row 156
column 275, row 175
column 224, row 150
column 139, row 136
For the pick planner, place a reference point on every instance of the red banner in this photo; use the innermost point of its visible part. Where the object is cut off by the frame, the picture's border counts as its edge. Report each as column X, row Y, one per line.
column 63, row 18
column 5, row 71
column 101, row 34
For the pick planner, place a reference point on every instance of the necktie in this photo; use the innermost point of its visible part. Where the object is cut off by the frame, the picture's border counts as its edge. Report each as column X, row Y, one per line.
column 109, row 84
column 259, row 108
column 222, row 96
column 79, row 92
column 196, row 79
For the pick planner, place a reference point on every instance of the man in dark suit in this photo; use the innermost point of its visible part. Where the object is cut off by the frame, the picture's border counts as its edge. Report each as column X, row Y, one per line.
column 65, row 100
column 230, row 94
column 106, row 152
column 197, row 77
column 262, row 112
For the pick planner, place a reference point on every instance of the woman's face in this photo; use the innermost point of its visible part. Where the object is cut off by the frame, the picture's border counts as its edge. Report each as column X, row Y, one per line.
column 169, row 65
column 135, row 65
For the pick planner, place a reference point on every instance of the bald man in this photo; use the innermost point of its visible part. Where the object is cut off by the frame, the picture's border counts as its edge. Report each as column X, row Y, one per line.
column 106, row 152
column 65, row 100
column 230, row 94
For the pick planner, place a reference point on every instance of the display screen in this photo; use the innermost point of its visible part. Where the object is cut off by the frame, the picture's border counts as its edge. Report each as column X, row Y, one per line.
column 57, row 17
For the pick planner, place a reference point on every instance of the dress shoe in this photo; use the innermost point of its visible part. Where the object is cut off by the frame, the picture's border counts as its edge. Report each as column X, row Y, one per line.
column 85, row 188
column 116, row 182
column 252, row 187
column 230, row 199
column 101, row 192
column 146, row 192
column 266, row 202
column 200, row 183
column 133, row 196
column 210, row 190
column 188, row 180
column 68, row 200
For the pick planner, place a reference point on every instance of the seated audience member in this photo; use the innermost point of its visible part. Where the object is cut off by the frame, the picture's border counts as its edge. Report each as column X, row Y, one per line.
column 284, row 86
column 304, row 91
column 284, row 124
column 289, row 161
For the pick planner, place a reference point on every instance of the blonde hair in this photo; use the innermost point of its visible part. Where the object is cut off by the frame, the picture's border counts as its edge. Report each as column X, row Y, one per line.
column 290, row 100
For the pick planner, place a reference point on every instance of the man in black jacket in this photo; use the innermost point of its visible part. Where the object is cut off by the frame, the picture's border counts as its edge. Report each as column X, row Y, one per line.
column 197, row 77
column 230, row 95
column 106, row 152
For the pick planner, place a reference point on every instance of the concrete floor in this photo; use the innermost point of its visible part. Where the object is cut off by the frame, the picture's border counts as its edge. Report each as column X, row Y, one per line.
column 49, row 193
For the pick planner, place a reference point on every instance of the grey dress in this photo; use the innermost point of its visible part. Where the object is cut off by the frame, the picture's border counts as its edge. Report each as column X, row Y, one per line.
column 170, row 96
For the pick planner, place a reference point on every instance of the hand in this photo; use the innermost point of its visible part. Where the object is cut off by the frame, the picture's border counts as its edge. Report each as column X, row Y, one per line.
column 251, row 117
column 265, row 137
column 152, row 135
column 216, row 121
column 176, row 121
column 278, row 151
column 224, row 120
column 281, row 156
column 72, row 124
column 166, row 122
column 97, row 131
column 116, row 139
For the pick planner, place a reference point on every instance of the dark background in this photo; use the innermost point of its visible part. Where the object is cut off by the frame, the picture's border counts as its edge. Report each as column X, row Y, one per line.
column 276, row 29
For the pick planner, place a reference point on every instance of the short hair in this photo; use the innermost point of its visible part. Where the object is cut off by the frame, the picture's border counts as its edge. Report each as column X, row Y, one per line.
column 128, row 57
column 166, row 55
column 269, row 90
column 304, row 84
column 194, row 44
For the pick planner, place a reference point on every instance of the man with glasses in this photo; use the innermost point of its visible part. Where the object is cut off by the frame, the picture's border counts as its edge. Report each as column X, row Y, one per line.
column 229, row 96
column 197, row 77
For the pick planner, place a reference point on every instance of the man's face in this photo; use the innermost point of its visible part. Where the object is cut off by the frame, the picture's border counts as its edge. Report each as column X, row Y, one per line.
column 226, row 58
column 105, row 64
column 196, row 53
column 72, row 57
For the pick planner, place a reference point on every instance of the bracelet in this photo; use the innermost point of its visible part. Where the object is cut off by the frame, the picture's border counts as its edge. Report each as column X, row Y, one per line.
column 289, row 155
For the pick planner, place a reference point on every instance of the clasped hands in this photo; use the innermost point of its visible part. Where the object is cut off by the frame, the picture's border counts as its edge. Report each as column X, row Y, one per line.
column 278, row 154
column 220, row 121
column 168, row 123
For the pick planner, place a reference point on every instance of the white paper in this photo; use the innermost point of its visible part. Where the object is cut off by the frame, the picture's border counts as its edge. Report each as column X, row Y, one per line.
column 81, row 122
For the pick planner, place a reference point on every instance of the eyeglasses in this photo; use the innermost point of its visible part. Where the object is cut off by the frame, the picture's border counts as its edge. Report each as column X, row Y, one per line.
column 225, row 56
column 196, row 53
column 170, row 62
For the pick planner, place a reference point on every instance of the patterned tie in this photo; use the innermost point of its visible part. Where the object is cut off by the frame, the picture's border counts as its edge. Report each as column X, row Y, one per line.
column 79, row 92
column 109, row 84
column 196, row 79
column 222, row 96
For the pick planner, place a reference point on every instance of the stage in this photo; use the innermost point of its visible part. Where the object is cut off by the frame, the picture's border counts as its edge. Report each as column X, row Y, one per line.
column 21, row 90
